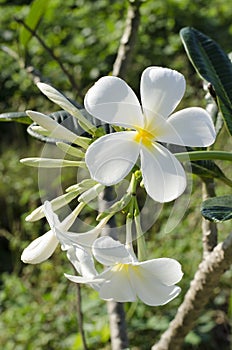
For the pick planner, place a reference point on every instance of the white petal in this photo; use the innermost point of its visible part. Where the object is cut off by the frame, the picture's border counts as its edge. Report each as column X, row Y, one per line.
column 113, row 101
column 161, row 91
column 111, row 157
column 54, row 221
column 88, row 280
column 40, row 249
column 82, row 261
column 60, row 229
column 51, row 217
column 190, row 127
column 168, row 271
column 149, row 289
column 117, row 286
column 163, row 175
column 109, row 251
column 85, row 239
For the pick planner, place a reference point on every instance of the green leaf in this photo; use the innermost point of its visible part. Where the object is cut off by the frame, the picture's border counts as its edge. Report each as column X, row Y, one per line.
column 19, row 117
column 208, row 169
column 217, row 209
column 213, row 65
column 37, row 11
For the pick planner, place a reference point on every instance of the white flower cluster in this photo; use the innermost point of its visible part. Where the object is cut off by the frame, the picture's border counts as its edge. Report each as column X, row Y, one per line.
column 140, row 131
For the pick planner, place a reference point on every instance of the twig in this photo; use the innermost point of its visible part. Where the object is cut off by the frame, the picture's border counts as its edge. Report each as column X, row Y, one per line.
column 53, row 55
column 127, row 42
column 202, row 286
column 80, row 317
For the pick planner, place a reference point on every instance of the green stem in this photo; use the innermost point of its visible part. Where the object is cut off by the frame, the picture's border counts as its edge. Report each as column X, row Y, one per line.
column 203, row 155
column 141, row 244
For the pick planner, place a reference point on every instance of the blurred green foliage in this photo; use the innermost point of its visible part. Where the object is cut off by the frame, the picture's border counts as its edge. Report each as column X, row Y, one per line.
column 37, row 304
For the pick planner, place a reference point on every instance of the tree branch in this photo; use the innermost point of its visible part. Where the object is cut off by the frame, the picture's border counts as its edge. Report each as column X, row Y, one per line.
column 205, row 280
column 53, row 55
column 80, row 316
column 127, row 42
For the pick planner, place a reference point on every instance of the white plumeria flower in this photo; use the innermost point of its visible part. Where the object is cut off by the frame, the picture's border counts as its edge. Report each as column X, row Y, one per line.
column 43, row 247
column 111, row 157
column 152, row 281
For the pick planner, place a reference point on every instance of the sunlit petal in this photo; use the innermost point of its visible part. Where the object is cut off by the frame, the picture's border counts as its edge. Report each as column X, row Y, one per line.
column 163, row 175
column 168, row 271
column 161, row 91
column 40, row 249
column 89, row 280
column 190, row 127
column 117, row 286
column 111, row 157
column 82, row 260
column 113, row 101
column 109, row 251
column 149, row 289
column 85, row 239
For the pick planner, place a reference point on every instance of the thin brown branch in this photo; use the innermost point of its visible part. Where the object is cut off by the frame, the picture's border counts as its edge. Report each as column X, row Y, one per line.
column 80, row 317
column 53, row 55
column 202, row 287
column 128, row 40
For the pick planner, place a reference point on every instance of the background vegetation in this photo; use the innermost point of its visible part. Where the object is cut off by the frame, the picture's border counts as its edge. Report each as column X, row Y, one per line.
column 37, row 303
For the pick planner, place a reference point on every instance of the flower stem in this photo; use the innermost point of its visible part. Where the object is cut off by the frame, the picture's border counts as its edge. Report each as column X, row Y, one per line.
column 203, row 155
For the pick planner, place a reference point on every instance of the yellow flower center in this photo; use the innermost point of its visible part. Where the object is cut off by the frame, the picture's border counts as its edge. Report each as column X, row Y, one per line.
column 125, row 268
column 120, row 267
column 144, row 136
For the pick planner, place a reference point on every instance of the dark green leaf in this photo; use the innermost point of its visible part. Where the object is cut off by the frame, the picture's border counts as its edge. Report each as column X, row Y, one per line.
column 217, row 209
column 213, row 65
column 208, row 169
column 37, row 10
column 20, row 117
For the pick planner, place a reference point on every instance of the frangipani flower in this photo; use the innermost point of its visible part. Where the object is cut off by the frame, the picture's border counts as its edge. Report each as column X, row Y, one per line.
column 43, row 247
column 111, row 157
column 152, row 281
